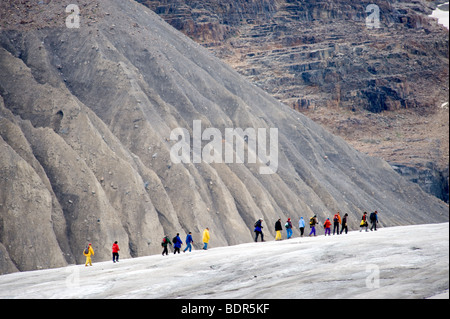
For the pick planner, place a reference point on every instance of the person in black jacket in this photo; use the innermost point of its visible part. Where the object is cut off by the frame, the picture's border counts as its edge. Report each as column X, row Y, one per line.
column 344, row 224
column 278, row 229
column 373, row 220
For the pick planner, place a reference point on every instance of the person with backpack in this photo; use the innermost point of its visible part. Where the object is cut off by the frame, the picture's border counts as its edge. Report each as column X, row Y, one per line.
column 189, row 242
column 115, row 252
column 301, row 226
column 312, row 223
column 344, row 224
column 363, row 222
column 327, row 226
column 177, row 244
column 166, row 241
column 336, row 223
column 258, row 230
column 278, row 229
column 206, row 238
column 288, row 227
column 88, row 252
column 373, row 220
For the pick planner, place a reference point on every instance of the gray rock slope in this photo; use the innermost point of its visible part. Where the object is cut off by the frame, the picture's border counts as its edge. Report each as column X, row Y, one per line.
column 85, row 122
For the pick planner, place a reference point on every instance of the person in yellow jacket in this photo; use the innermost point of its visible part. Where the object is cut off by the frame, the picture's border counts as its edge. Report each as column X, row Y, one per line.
column 206, row 238
column 88, row 252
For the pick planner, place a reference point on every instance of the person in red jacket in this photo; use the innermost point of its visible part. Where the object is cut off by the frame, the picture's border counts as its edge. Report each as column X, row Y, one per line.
column 327, row 226
column 115, row 252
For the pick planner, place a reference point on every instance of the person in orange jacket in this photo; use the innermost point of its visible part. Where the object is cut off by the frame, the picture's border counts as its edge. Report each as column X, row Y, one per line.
column 327, row 226
column 336, row 222
column 115, row 252
column 88, row 252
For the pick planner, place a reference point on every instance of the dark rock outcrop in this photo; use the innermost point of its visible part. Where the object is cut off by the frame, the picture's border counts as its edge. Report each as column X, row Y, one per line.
column 430, row 178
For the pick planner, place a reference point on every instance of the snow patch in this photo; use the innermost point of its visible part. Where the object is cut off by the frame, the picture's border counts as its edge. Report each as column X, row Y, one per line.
column 442, row 15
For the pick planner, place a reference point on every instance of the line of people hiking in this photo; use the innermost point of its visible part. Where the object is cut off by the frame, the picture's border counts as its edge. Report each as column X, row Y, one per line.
column 177, row 242
column 88, row 252
column 340, row 225
column 313, row 223
column 373, row 218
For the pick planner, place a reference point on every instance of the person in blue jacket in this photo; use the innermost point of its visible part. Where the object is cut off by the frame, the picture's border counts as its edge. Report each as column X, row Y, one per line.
column 177, row 244
column 189, row 242
column 373, row 220
column 258, row 230
column 288, row 227
column 301, row 226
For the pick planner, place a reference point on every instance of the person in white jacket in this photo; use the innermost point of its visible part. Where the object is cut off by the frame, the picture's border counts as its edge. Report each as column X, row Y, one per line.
column 301, row 225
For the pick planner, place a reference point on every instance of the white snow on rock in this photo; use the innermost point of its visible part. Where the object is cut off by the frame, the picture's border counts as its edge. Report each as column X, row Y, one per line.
column 442, row 15
column 394, row 262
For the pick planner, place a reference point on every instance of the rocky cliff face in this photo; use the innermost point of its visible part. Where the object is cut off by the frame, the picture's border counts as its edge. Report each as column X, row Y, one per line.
column 86, row 116
column 321, row 58
column 320, row 53
column 433, row 180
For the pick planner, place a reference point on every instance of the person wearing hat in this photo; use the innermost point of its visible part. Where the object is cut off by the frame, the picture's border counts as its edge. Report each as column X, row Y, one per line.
column 88, row 252
column 258, row 230
column 288, row 227
column 301, row 226
column 327, row 226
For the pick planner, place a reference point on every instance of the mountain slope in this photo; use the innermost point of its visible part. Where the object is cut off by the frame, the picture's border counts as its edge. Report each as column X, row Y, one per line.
column 86, row 116
column 380, row 89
